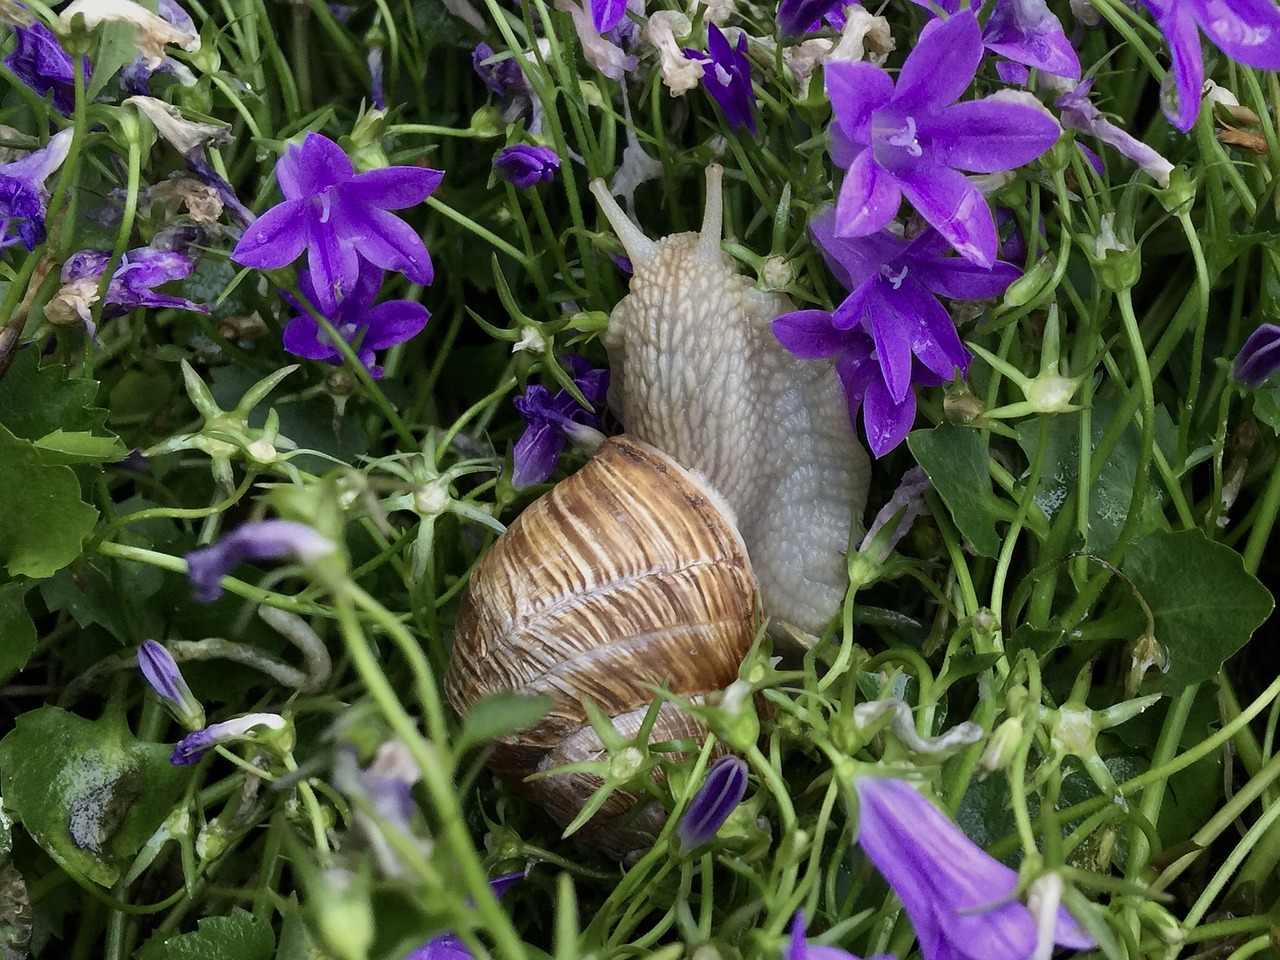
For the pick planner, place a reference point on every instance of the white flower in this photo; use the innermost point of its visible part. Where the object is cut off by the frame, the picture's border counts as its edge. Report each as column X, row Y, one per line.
column 679, row 73
column 153, row 31
column 185, row 135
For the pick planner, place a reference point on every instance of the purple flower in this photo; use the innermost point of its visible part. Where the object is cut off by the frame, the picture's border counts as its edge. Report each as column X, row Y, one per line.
column 24, row 198
column 447, row 946
column 160, row 670
column 339, row 217
column 194, row 746
column 960, row 899
column 726, row 73
column 199, row 165
column 252, row 541
column 525, row 166
column 1079, row 114
column 505, row 78
column 606, row 14
column 1025, row 31
column 912, row 140
column 800, row 949
column 136, row 76
column 1247, row 31
column 719, row 794
column 1259, row 358
column 366, row 327
column 554, row 419
column 39, row 61
column 907, row 503
column 374, row 61
column 139, row 271
column 798, row 17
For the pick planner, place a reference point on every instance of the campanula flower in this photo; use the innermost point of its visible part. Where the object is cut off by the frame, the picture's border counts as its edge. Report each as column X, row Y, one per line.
column 606, row 14
column 24, row 199
column 161, row 671
column 1025, row 31
column 797, row 17
column 719, row 794
column 132, row 285
column 151, row 32
column 505, row 78
column 447, row 946
column 136, row 77
column 39, row 61
column 554, row 419
column 366, row 327
column 194, row 746
column 602, row 49
column 525, row 165
column 961, row 900
column 1259, row 358
column 1079, row 114
column 253, row 541
column 726, row 73
column 339, row 217
column 911, row 139
column 1247, row 31
column 801, row 949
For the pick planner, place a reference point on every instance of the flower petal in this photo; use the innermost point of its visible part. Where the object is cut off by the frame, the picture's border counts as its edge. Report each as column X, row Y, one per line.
column 941, row 66
column 869, row 198
column 809, row 334
column 394, row 322
column 1180, row 100
column 999, row 132
column 887, row 423
column 386, row 240
column 303, row 337
column 276, row 238
column 1247, row 31
column 894, row 333
column 535, row 454
column 1028, row 32
column 312, row 167
column 856, row 91
column 605, row 14
column 955, row 208
column 393, row 188
column 333, row 263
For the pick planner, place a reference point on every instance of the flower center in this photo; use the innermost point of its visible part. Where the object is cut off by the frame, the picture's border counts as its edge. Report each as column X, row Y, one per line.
column 894, row 278
column 906, row 137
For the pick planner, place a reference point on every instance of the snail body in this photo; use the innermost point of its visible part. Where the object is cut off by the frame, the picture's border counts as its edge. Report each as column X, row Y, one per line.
column 733, row 491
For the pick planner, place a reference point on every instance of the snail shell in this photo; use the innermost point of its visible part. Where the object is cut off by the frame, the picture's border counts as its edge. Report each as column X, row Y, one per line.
column 628, row 575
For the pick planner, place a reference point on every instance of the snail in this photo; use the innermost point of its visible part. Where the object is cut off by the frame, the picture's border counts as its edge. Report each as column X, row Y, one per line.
column 732, row 491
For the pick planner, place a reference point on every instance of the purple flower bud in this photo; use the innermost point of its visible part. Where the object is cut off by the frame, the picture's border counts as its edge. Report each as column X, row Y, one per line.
column 525, row 165
column 253, row 541
column 160, row 670
column 719, row 794
column 194, row 746
column 1259, row 358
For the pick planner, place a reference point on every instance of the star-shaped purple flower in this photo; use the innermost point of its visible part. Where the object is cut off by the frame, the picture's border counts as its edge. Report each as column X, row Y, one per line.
column 913, row 140
column 1247, row 31
column 554, row 418
column 366, row 327
column 39, row 61
column 726, row 73
column 960, row 899
column 526, row 166
column 24, row 199
column 339, row 217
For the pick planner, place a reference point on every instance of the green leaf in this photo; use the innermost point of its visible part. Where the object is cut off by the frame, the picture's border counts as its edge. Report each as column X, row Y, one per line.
column 1266, row 407
column 500, row 714
column 17, row 632
column 79, row 447
column 955, row 458
column 1206, row 606
column 87, row 791
column 241, row 936
column 44, row 521
column 35, row 401
column 1109, row 497
column 116, row 47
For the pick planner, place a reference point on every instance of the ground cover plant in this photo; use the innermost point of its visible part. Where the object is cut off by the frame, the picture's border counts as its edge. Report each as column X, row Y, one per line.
column 302, row 304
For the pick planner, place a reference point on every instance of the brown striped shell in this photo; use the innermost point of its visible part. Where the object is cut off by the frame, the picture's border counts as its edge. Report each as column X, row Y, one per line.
column 629, row 574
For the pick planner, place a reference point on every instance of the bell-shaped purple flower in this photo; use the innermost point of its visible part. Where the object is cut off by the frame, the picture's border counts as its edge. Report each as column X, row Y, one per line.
column 1247, row 31
column 366, row 327
column 161, row 671
column 339, row 217
column 1259, row 358
column 253, row 541
column 726, row 73
column 961, row 900
column 719, row 794
column 912, row 139
column 194, row 746
column 24, row 199
column 554, row 419
column 800, row 949
column 39, row 61
column 525, row 165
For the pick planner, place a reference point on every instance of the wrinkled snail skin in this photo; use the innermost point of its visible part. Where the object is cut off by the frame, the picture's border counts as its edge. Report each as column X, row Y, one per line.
column 625, row 576
column 697, row 372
